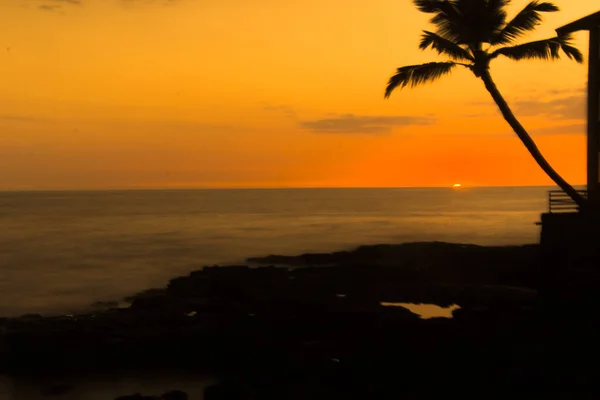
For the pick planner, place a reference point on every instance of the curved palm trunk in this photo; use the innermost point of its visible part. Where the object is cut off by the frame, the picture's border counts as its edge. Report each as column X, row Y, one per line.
column 528, row 142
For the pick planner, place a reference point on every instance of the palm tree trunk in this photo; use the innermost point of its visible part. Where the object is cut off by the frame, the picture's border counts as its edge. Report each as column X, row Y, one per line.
column 528, row 142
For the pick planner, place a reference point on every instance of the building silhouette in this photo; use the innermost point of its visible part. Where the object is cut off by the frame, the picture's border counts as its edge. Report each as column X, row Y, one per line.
column 591, row 23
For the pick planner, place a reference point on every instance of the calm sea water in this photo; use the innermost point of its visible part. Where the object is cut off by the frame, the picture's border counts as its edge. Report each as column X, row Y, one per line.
column 62, row 251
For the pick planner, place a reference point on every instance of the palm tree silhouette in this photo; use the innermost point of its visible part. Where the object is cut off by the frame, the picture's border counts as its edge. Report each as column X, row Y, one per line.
column 472, row 33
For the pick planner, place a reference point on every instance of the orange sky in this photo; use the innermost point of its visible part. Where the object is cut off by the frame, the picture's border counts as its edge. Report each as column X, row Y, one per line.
column 265, row 93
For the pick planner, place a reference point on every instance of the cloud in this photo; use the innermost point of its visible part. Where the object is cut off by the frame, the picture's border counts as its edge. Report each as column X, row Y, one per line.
column 61, row 5
column 21, row 118
column 50, row 8
column 349, row 123
column 476, row 115
column 286, row 110
column 571, row 107
column 556, row 103
column 55, row 5
column 579, row 90
column 72, row 2
column 163, row 2
column 574, row 129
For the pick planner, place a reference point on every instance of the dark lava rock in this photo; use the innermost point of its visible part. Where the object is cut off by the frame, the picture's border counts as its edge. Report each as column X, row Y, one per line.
column 227, row 391
column 57, row 389
column 310, row 323
column 174, row 395
column 149, row 300
column 433, row 260
column 137, row 396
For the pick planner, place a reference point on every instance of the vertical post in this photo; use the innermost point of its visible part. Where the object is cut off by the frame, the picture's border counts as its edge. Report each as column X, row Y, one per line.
column 593, row 142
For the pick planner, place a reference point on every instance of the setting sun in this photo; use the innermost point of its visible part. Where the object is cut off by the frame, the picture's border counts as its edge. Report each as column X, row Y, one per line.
column 457, row 185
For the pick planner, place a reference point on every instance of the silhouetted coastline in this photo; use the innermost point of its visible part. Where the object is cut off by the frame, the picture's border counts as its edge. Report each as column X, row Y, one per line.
column 132, row 240
column 319, row 329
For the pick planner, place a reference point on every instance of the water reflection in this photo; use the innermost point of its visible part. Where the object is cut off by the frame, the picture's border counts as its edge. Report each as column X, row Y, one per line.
column 425, row 311
column 102, row 387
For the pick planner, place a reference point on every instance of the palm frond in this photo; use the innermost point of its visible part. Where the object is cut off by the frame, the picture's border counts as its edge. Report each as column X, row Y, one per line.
column 524, row 21
column 449, row 27
column 497, row 8
column 566, row 45
column 446, row 17
column 468, row 22
column 547, row 49
column 571, row 51
column 414, row 75
column 498, row 5
column 444, row 46
column 430, row 6
column 481, row 19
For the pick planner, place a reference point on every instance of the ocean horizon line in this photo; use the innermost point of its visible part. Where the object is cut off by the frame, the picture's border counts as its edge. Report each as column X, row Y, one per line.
column 232, row 188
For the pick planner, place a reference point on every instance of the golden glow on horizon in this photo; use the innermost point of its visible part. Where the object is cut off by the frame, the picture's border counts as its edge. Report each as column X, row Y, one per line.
column 265, row 94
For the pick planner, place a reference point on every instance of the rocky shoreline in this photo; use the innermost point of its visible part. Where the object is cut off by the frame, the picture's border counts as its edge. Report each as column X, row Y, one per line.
column 313, row 326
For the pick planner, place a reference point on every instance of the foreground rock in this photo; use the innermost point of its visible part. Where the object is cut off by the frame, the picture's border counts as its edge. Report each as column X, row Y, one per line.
column 172, row 395
column 318, row 331
column 433, row 261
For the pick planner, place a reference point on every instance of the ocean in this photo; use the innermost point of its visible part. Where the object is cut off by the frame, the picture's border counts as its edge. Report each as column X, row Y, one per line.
column 62, row 251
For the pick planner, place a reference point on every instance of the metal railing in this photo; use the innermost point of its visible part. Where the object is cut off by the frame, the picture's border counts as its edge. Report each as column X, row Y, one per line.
column 559, row 201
